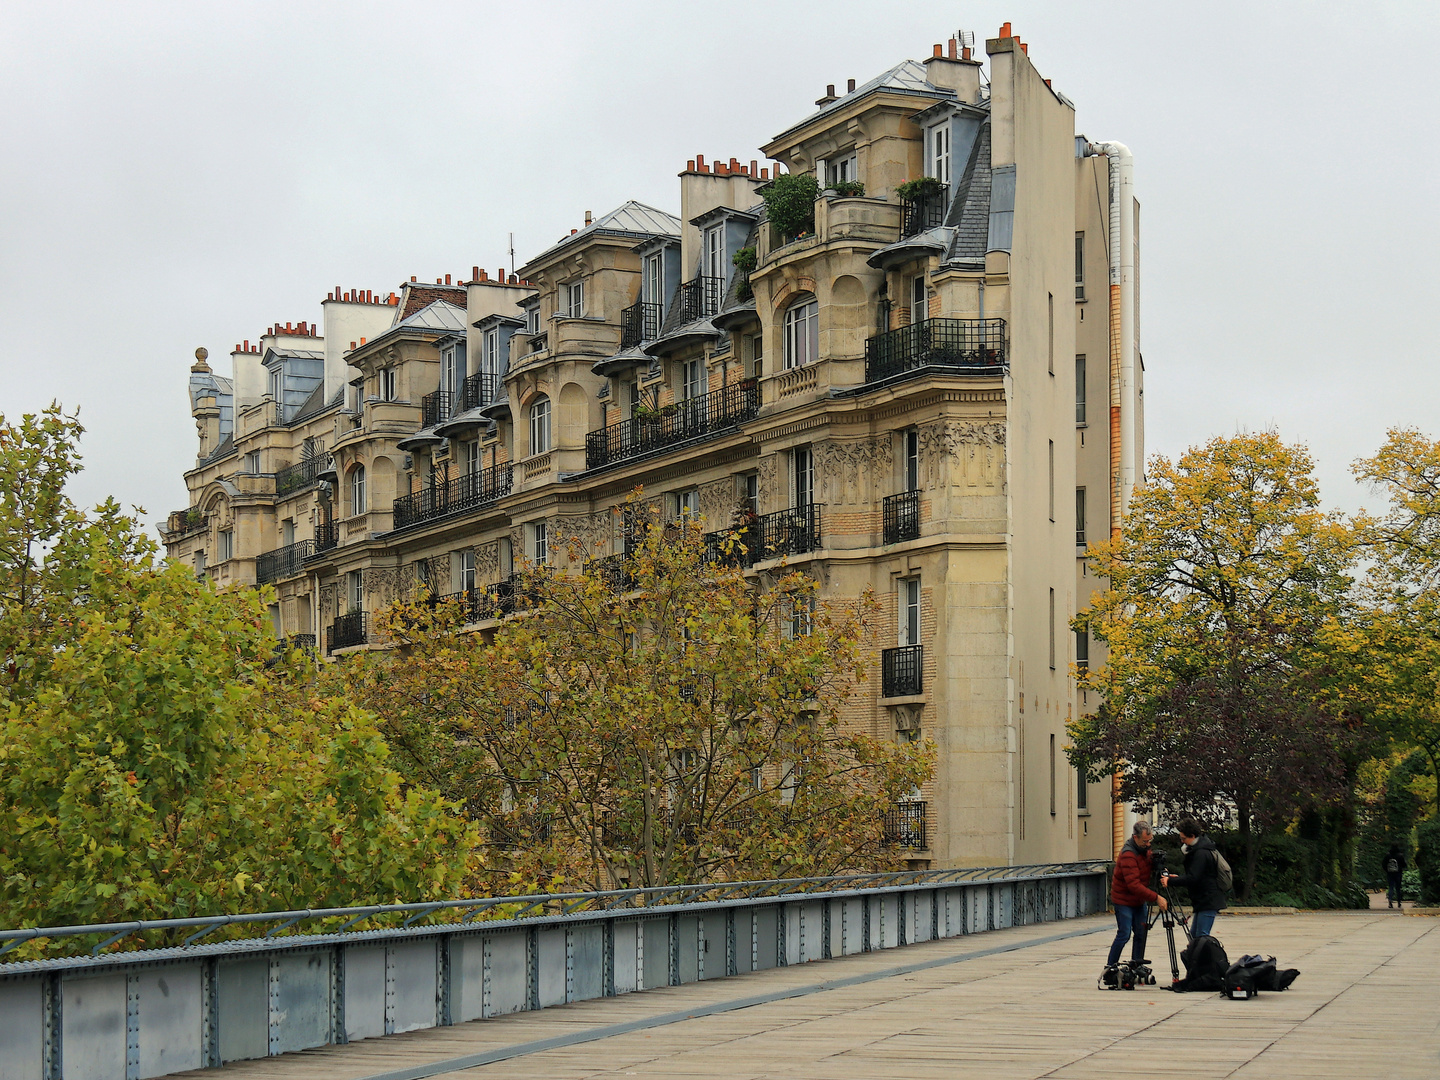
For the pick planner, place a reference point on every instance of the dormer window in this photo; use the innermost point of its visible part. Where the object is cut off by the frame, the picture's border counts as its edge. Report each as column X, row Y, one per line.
column 574, row 296
column 490, row 351
column 713, row 253
column 937, row 152
column 275, row 383
column 652, row 285
column 841, row 170
column 532, row 318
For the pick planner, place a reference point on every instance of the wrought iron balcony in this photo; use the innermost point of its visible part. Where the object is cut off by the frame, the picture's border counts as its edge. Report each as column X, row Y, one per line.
column 655, row 429
column 900, row 671
column 347, row 630
column 437, row 407
column 487, row 601
column 767, row 536
column 904, row 825
column 469, row 491
column 615, row 571
column 901, row 517
column 924, row 211
column 480, row 390
column 285, row 562
column 700, row 298
column 302, row 474
column 184, row 522
column 301, row 641
column 963, row 346
column 639, row 322
column 327, row 536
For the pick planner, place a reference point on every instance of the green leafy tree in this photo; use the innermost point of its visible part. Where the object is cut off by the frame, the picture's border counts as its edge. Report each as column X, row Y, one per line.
column 1221, row 583
column 649, row 721
column 150, row 765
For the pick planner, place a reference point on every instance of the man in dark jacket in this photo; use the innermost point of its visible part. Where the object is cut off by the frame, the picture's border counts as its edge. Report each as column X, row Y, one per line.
column 1201, row 876
column 1130, row 891
column 1394, row 866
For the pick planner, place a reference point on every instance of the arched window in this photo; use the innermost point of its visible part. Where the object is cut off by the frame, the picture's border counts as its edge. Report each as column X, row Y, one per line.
column 540, row 425
column 357, row 490
column 802, row 333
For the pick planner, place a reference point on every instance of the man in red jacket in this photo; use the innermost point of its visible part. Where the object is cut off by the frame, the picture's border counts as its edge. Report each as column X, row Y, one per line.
column 1130, row 891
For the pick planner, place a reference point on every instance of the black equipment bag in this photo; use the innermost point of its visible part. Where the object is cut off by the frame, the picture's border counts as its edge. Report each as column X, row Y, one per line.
column 1205, row 965
column 1251, row 974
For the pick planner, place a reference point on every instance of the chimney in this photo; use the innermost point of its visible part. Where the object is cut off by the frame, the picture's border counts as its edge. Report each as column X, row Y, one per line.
column 500, row 275
column 690, row 165
column 394, row 300
column 475, row 273
column 950, row 49
column 1005, row 30
column 765, row 173
column 829, row 95
column 588, row 218
column 849, row 86
column 412, row 277
column 447, row 280
column 953, row 72
column 362, row 341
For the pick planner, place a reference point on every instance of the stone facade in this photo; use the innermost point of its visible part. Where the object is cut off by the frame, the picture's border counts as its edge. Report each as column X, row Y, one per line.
column 889, row 398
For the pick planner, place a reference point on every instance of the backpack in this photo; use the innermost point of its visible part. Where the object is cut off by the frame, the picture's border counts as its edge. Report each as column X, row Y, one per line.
column 1248, row 976
column 1223, row 874
column 1392, row 865
column 1205, row 965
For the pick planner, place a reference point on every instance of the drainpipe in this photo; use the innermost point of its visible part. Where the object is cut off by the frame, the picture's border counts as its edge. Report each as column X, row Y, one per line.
column 1122, row 376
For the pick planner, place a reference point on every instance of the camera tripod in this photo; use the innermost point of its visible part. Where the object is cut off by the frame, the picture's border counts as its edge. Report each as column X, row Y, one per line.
column 1169, row 918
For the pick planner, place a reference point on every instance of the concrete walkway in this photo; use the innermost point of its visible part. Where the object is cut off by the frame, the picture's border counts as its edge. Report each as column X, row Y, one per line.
column 1006, row 1005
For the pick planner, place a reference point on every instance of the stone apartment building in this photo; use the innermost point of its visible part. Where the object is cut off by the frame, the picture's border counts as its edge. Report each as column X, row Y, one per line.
column 915, row 394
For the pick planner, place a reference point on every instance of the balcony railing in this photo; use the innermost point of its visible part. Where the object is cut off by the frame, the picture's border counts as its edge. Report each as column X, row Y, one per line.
column 615, row 571
column 301, row 641
column 437, row 407
column 901, row 517
column 347, row 630
column 700, row 298
column 786, row 532
column 639, row 322
column 677, row 423
column 904, row 825
column 900, row 671
column 480, row 390
column 285, row 562
column 469, row 491
column 487, row 601
column 925, row 211
column 327, row 536
column 968, row 346
column 302, row 474
column 184, row 522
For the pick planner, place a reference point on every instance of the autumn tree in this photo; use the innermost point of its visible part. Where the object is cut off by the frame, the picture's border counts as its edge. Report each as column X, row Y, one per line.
column 150, row 765
column 646, row 721
column 1221, row 583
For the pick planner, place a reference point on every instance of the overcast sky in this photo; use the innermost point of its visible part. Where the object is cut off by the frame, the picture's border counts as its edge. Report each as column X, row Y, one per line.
column 175, row 175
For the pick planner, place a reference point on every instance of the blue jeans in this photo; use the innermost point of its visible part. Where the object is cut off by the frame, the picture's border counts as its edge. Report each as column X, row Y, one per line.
column 1202, row 922
column 1128, row 920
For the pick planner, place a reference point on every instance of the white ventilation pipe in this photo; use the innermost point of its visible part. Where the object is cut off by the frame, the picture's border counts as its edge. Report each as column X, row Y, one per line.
column 1122, row 275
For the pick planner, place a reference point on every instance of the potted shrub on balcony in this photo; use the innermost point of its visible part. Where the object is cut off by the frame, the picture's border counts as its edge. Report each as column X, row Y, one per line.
column 790, row 205
column 924, row 188
column 745, row 261
column 849, row 189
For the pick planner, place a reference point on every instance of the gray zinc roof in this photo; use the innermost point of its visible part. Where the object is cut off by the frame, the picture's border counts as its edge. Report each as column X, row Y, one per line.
column 970, row 210
column 630, row 219
column 438, row 315
column 906, row 77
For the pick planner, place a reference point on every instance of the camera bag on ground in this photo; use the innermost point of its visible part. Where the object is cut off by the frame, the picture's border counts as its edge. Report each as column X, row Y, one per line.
column 1251, row 974
column 1205, row 965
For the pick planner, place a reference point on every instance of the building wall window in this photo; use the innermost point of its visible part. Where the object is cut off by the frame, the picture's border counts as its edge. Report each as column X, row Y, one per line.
column 387, row 384
column 575, row 299
column 685, row 504
column 541, row 548
column 1079, row 266
column 490, row 351
column 1052, row 478
column 1052, row 776
column 750, row 492
column 1080, row 515
column 919, row 302
column 757, row 355
column 465, row 564
column 225, row 545
column 357, row 490
column 802, row 616
column 652, row 285
column 802, row 477
column 1052, row 629
column 532, row 318
column 1080, row 390
column 1082, row 649
column 1082, row 792
column 355, row 590
column 802, row 333
column 938, row 145
column 693, row 379
column 287, row 532
column 470, row 455
column 1050, row 354
column 540, row 425
column 910, row 455
column 252, row 463
column 910, row 611
column 841, row 170
column 713, row 256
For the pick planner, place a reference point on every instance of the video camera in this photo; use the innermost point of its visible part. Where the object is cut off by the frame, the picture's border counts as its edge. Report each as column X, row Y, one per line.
column 1157, row 867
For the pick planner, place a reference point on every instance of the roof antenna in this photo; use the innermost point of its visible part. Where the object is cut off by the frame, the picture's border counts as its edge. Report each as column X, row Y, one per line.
column 512, row 253
column 966, row 38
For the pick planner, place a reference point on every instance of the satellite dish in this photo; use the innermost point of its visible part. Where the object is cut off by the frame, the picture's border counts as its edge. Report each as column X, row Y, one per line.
column 966, row 38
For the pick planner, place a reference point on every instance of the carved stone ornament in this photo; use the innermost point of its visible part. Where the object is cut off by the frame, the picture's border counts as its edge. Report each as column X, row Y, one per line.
column 768, row 470
column 847, row 469
column 964, row 452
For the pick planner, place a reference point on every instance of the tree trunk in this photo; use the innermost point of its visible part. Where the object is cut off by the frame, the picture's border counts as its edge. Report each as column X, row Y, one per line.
column 1252, row 850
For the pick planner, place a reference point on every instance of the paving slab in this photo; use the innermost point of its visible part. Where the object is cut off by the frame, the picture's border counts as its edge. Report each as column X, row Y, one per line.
column 1017, row 1003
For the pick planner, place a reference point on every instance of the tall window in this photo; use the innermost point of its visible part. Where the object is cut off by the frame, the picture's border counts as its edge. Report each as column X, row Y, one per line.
column 1050, row 354
column 757, row 355
column 685, row 504
column 802, row 477
column 275, row 384
column 1079, row 266
column 911, row 450
column 575, row 299
column 490, row 351
column 1052, row 479
column 540, row 425
column 542, row 543
column 287, row 532
column 713, row 258
column 1082, row 793
column 252, row 462
column 910, row 611
column 1052, row 629
column 532, row 318
column 693, row 384
column 802, row 616
column 802, row 333
column 1052, row 775
column 1079, row 515
column 355, row 590
column 447, row 369
column 387, row 384
column 225, row 546
column 939, row 165
column 467, row 570
column 919, row 300
column 840, row 170
column 652, row 285
column 1079, row 390
column 1082, row 649
column 750, row 492
column 357, row 490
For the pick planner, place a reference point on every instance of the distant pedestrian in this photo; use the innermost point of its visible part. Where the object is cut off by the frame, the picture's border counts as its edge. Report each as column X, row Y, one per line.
column 1201, row 876
column 1130, row 893
column 1394, row 864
